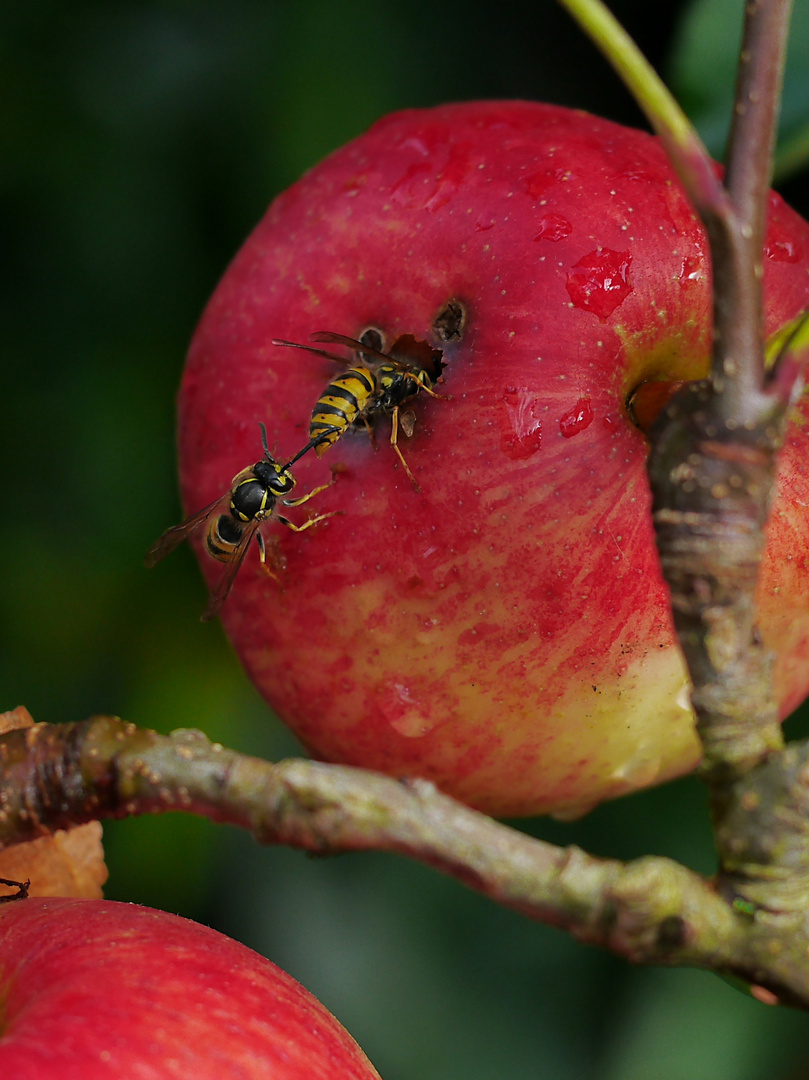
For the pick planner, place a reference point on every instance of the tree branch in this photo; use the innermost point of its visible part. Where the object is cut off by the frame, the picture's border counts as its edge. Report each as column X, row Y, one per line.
column 712, row 471
column 650, row 910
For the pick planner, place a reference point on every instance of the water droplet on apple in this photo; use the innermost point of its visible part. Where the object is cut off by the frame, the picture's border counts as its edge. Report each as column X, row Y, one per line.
column 641, row 770
column 403, row 711
column 692, row 269
column 576, row 419
column 782, row 249
column 520, row 423
column 683, row 699
column 434, row 177
column 599, row 281
column 553, row 227
column 538, row 183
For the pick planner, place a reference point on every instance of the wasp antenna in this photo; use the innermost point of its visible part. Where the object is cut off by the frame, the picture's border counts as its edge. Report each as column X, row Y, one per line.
column 309, row 349
column 310, row 446
column 263, row 431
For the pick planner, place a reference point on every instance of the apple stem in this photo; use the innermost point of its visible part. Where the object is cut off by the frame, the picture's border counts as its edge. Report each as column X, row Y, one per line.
column 738, row 271
column 685, row 148
column 755, row 116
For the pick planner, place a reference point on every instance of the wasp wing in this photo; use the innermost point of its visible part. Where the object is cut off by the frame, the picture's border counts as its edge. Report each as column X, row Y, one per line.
column 328, row 337
column 223, row 586
column 173, row 537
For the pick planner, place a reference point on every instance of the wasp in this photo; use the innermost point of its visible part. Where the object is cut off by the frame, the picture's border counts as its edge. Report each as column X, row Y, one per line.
column 253, row 498
column 381, row 383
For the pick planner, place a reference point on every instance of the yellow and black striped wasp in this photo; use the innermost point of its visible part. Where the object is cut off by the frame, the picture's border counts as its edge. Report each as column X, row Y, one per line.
column 253, row 498
column 380, row 383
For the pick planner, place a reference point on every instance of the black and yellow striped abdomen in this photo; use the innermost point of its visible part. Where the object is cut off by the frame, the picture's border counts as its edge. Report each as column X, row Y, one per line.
column 342, row 402
column 223, row 537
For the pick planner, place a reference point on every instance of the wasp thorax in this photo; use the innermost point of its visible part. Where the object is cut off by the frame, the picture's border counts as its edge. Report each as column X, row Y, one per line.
column 251, row 499
column 277, row 479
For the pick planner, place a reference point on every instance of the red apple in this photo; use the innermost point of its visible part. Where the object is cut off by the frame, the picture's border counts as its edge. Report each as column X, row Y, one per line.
column 505, row 631
column 93, row 989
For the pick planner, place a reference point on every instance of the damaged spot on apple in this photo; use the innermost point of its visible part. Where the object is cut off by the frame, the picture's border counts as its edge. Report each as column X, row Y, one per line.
column 450, row 323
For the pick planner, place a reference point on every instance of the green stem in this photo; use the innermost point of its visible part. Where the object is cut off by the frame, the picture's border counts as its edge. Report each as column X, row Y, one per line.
column 682, row 143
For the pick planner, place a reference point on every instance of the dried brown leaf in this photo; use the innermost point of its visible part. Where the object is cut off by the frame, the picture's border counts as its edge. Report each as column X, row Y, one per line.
column 69, row 863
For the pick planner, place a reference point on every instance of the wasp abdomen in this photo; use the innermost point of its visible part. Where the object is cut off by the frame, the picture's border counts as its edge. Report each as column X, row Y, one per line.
column 223, row 537
column 339, row 406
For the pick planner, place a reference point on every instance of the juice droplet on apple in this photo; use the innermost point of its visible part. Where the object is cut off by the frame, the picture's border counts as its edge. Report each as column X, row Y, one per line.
column 576, row 419
column 553, row 227
column 520, row 423
column 599, row 281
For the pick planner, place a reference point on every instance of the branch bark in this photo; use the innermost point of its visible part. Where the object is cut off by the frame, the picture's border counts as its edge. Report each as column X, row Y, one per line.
column 650, row 910
column 713, row 457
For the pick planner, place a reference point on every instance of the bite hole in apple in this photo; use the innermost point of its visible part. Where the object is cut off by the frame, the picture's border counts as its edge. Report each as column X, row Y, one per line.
column 450, row 323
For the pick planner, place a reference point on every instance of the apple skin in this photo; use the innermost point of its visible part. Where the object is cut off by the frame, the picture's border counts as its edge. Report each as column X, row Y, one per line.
column 505, row 632
column 98, row 990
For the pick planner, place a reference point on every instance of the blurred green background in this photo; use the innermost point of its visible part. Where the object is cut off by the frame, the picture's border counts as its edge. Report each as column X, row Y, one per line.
column 139, row 143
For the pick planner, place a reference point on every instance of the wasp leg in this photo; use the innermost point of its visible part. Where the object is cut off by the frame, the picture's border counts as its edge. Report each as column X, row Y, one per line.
column 307, row 524
column 428, row 390
column 422, row 386
column 262, row 555
column 305, row 498
column 394, row 441
column 369, row 427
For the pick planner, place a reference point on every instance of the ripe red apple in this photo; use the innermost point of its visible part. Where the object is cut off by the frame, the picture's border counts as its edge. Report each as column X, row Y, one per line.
column 97, row 990
column 505, row 631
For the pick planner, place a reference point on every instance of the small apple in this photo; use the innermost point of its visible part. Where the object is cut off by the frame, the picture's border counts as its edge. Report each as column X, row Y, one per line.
column 97, row 990
column 504, row 631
